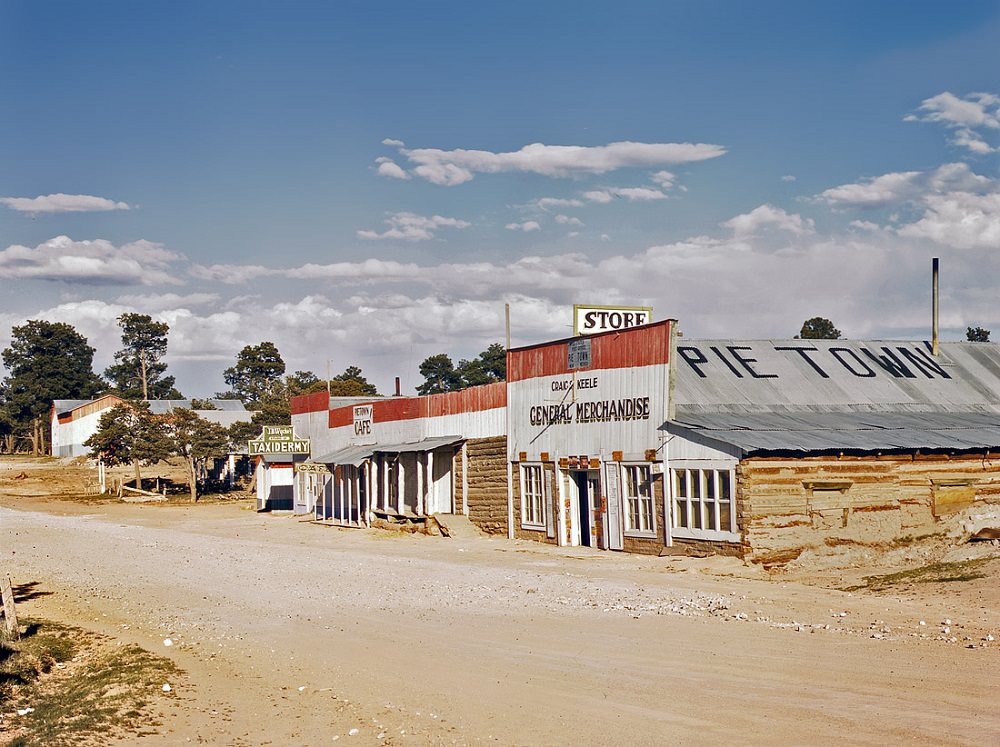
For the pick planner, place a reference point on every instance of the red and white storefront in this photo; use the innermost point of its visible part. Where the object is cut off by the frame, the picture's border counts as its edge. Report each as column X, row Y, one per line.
column 586, row 448
column 394, row 457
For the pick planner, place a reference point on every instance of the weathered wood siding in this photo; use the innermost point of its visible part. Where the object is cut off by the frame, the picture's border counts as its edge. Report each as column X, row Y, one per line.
column 788, row 506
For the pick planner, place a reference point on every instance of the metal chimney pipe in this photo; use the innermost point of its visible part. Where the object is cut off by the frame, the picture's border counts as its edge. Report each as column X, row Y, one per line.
column 934, row 308
column 397, row 386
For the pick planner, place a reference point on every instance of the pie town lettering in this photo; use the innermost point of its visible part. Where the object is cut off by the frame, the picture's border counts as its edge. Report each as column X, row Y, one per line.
column 363, row 419
column 865, row 362
column 601, row 411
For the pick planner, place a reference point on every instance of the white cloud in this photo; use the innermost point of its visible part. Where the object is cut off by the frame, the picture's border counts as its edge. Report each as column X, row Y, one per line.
column 906, row 186
column 550, row 202
column 788, row 178
column 865, row 225
column 568, row 220
column 767, row 217
column 62, row 203
column 391, row 141
column 963, row 115
column 413, row 227
column 97, row 262
column 229, row 274
column 665, row 179
column 959, row 219
column 369, row 270
column 528, row 225
column 632, row 194
column 975, row 110
column 153, row 302
column 451, row 167
column 888, row 189
column 388, row 167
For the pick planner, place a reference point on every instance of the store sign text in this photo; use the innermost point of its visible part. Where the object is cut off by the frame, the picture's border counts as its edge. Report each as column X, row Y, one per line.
column 601, row 411
column 363, row 418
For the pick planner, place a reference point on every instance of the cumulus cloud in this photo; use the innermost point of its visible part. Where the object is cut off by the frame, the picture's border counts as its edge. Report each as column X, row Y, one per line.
column 152, row 302
column 452, row 167
column 229, row 274
column 391, row 141
column 388, row 167
column 552, row 202
column 665, row 179
column 897, row 188
column 632, row 194
column 965, row 116
column 959, row 219
column 568, row 220
column 97, row 262
column 62, row 203
column 528, row 225
column 788, row 178
column 413, row 227
column 865, row 225
column 769, row 217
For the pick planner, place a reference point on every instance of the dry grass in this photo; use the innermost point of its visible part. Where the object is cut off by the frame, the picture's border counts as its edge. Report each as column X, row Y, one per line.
column 966, row 570
column 82, row 687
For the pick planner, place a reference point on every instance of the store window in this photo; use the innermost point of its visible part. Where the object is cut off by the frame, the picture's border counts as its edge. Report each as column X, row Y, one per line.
column 532, row 499
column 639, row 518
column 703, row 503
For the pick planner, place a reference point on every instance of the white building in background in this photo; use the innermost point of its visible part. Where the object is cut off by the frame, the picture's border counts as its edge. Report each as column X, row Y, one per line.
column 76, row 420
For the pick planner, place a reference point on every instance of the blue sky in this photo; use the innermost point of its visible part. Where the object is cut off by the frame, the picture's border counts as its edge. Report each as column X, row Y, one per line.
column 368, row 184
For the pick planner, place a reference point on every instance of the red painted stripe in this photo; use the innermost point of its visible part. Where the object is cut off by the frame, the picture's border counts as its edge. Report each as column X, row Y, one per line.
column 473, row 399
column 638, row 346
column 315, row 402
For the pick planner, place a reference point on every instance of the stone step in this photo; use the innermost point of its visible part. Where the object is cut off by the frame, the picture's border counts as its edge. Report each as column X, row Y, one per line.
column 458, row 526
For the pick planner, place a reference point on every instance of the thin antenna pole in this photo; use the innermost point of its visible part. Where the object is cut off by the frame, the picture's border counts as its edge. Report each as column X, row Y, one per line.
column 935, row 346
column 506, row 311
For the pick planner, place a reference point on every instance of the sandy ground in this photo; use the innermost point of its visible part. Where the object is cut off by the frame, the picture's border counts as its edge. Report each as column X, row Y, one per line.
column 293, row 633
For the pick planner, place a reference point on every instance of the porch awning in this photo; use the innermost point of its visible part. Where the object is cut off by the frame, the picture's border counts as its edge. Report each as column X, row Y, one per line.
column 427, row 444
column 352, row 455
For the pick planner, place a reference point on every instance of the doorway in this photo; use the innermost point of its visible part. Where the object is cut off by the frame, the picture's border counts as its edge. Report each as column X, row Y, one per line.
column 588, row 485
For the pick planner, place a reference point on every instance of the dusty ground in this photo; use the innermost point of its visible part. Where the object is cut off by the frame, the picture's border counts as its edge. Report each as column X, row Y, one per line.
column 297, row 634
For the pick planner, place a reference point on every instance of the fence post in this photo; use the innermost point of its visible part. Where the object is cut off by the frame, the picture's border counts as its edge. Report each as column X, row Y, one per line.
column 9, row 615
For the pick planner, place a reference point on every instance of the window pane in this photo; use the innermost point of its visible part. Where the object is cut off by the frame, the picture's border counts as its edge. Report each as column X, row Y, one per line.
column 725, row 517
column 725, row 490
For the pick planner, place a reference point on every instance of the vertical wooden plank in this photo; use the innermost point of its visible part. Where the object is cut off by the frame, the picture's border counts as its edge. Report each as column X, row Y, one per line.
column 399, row 486
column 9, row 613
column 422, row 484
column 465, row 478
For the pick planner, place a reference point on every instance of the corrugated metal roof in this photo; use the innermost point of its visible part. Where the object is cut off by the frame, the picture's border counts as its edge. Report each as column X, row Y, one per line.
column 353, row 455
column 163, row 406
column 63, row 406
column 427, row 444
column 835, row 375
column 844, row 431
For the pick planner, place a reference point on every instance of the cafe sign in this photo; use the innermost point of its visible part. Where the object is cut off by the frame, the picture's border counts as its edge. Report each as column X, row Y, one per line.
column 279, row 439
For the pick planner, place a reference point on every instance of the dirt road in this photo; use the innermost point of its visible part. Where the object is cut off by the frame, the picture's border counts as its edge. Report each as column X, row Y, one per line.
column 298, row 634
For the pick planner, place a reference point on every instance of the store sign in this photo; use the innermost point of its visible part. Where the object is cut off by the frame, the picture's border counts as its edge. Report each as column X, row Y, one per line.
column 311, row 467
column 278, row 439
column 589, row 320
column 364, row 416
column 578, row 354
